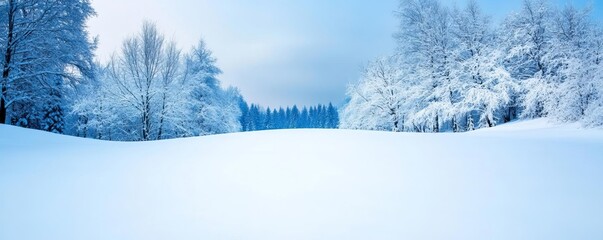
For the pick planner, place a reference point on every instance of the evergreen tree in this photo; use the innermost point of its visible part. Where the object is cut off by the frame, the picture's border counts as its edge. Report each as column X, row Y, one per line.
column 332, row 120
column 294, row 117
column 304, row 118
column 268, row 119
column 244, row 119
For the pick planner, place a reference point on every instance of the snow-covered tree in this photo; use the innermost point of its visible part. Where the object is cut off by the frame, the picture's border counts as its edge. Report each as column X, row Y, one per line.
column 137, row 74
column 456, row 73
column 256, row 118
column 95, row 113
column 424, row 40
column 377, row 101
column 593, row 115
column 44, row 46
column 527, row 37
column 213, row 109
column 484, row 92
column 574, row 46
column 488, row 99
column 294, row 117
column 151, row 91
column 304, row 118
column 172, row 95
column 332, row 117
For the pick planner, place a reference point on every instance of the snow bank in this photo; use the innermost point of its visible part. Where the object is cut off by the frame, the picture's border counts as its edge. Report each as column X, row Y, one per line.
column 512, row 182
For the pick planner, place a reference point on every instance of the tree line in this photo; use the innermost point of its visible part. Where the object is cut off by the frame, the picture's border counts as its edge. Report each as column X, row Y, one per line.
column 453, row 70
column 254, row 117
column 148, row 90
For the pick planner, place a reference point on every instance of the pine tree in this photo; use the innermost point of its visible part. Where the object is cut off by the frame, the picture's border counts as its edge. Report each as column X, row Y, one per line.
column 332, row 117
column 268, row 119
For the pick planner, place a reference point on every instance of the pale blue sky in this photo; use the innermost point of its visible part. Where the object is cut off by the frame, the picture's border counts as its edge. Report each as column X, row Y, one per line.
column 277, row 52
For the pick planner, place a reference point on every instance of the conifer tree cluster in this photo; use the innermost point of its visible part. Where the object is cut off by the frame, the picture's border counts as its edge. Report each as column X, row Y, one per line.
column 255, row 118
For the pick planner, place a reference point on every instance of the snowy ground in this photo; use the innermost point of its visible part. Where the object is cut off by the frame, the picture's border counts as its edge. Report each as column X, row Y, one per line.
column 526, row 180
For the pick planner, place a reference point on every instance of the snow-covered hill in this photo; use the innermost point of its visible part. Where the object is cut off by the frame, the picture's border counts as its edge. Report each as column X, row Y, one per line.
column 526, row 180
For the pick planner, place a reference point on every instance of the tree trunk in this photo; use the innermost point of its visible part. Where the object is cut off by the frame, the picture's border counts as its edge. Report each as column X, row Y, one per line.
column 436, row 127
column 3, row 104
column 7, row 60
column 163, row 112
column 489, row 122
column 146, row 118
column 455, row 126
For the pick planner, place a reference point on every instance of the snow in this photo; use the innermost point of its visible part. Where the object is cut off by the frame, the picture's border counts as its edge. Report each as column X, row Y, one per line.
column 525, row 180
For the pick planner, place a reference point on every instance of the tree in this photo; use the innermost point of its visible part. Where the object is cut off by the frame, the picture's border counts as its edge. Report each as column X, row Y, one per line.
column 258, row 118
column 44, row 45
column 244, row 118
column 424, row 39
column 575, row 48
column 376, row 102
column 483, row 88
column 490, row 97
column 95, row 112
column 294, row 117
column 255, row 118
column 304, row 118
column 527, row 39
column 454, row 73
column 332, row 120
column 595, row 108
column 150, row 91
column 268, row 119
column 172, row 95
column 136, row 73
column 213, row 109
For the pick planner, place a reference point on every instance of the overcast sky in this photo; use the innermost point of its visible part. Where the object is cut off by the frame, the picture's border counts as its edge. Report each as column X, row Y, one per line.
column 277, row 52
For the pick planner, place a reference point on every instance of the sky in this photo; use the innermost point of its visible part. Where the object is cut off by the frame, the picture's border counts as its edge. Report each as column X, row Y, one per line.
column 277, row 52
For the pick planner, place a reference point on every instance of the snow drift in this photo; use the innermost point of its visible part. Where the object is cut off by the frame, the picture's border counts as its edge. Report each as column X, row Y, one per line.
column 527, row 180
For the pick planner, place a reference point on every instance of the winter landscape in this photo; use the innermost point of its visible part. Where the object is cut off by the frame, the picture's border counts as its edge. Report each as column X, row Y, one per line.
column 473, row 124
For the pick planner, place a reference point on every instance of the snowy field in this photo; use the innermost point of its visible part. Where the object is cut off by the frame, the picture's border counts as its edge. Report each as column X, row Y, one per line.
column 525, row 180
